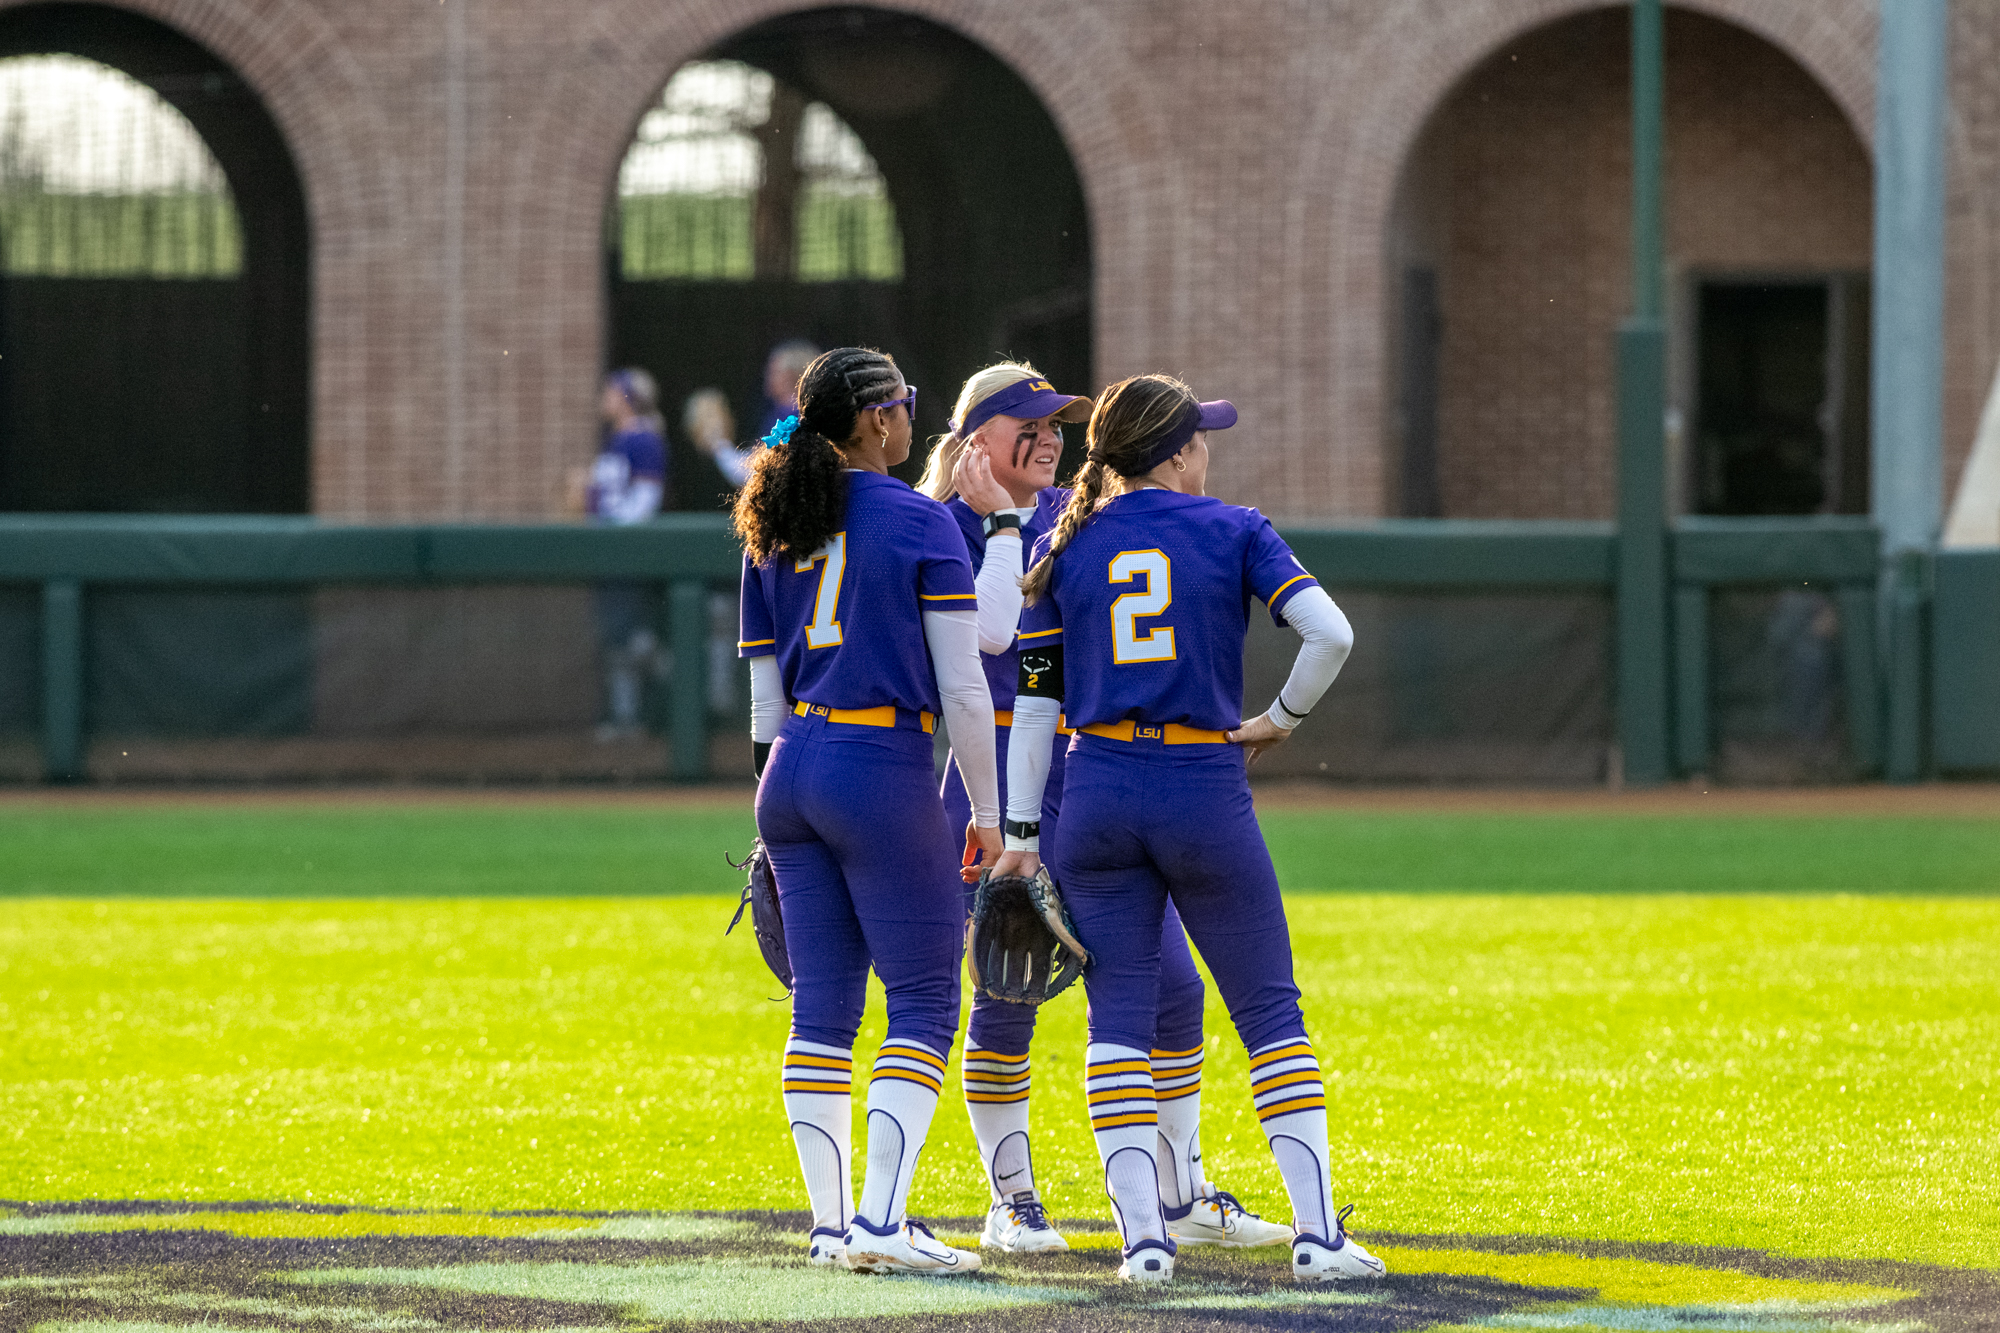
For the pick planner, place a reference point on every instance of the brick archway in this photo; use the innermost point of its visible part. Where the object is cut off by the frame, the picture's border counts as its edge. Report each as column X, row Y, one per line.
column 567, row 155
column 1349, row 175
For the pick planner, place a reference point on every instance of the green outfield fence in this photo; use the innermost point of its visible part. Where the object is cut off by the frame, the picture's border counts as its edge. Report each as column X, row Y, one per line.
column 1940, row 701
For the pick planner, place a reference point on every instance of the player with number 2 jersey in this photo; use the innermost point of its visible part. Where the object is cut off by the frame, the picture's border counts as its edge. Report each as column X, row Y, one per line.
column 1137, row 608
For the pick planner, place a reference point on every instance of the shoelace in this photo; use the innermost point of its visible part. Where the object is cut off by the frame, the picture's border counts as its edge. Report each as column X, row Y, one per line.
column 914, row 1225
column 1227, row 1203
column 1028, row 1212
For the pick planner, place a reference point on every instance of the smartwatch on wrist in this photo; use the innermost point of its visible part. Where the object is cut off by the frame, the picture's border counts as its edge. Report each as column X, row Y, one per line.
column 1000, row 520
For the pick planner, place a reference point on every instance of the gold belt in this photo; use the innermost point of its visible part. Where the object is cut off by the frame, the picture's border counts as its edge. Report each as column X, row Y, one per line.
column 1166, row 733
column 888, row 715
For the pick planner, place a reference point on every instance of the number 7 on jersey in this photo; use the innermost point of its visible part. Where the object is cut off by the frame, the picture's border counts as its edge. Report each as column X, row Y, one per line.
column 823, row 631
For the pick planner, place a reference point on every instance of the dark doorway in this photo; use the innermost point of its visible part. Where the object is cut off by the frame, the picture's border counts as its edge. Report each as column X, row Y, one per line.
column 993, row 233
column 1422, row 340
column 163, row 392
column 1782, row 396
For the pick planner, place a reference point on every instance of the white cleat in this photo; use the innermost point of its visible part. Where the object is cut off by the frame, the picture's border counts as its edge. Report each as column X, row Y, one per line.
column 826, row 1248
column 1339, row 1260
column 1018, row 1226
column 909, row 1249
column 1148, row 1261
column 1218, row 1219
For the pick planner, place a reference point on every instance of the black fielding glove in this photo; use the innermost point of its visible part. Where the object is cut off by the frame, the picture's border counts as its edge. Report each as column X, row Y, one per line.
column 1020, row 943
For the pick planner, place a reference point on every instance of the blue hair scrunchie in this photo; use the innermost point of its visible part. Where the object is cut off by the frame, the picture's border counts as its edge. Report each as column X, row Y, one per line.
column 781, row 433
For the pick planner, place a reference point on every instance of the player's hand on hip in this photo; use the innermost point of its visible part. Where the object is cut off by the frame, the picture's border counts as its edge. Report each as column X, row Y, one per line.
column 980, row 843
column 973, row 480
column 1257, row 735
column 1024, row 864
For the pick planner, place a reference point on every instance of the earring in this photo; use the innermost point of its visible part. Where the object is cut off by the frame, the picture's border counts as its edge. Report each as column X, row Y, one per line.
column 1178, row 465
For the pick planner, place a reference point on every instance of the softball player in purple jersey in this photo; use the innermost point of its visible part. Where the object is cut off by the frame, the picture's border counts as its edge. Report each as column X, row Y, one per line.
column 996, row 473
column 1137, row 608
column 858, row 620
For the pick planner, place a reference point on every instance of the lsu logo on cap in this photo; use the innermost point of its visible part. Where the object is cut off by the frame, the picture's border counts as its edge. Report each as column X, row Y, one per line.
column 1041, row 386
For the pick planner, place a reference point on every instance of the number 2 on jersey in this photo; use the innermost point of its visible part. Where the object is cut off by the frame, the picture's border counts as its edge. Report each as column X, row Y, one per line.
column 1127, row 643
column 824, row 631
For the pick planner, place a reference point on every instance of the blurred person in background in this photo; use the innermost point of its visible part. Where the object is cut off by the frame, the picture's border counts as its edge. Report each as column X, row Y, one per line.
column 626, row 483
column 787, row 362
column 712, row 429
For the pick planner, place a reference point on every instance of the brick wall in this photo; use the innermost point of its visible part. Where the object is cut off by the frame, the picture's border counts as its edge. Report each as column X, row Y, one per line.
column 1519, row 195
column 1241, row 159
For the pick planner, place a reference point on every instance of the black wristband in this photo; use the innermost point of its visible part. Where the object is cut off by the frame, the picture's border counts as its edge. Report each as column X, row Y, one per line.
column 760, row 754
column 1014, row 828
column 1001, row 518
column 1288, row 710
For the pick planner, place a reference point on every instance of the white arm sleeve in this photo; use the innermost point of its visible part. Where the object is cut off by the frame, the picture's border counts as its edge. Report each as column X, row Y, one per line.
column 1328, row 639
column 734, row 463
column 999, row 589
column 1028, row 743
column 953, row 638
column 768, row 704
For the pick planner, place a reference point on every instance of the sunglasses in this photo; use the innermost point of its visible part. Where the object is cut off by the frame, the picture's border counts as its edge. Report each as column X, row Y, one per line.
column 908, row 400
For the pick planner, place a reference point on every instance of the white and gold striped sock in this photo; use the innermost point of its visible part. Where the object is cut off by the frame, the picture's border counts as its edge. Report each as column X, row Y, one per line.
column 1125, row 1120
column 996, row 1100
column 818, row 1087
column 902, row 1097
column 1177, row 1086
column 1291, row 1105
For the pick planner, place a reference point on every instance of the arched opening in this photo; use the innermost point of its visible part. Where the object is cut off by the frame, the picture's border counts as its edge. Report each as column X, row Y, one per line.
column 844, row 176
column 154, row 275
column 1507, row 267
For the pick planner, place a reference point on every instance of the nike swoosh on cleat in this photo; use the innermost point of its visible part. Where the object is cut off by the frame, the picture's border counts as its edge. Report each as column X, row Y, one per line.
column 1011, row 1174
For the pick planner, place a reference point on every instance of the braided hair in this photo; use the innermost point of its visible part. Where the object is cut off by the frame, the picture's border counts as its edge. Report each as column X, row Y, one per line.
column 796, row 498
column 1129, row 417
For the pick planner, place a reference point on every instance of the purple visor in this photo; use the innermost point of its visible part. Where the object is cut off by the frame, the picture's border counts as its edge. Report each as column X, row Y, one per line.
column 1026, row 399
column 1218, row 415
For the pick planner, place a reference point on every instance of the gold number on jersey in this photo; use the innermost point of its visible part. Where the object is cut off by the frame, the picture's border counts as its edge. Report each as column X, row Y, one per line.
column 1127, row 643
column 824, row 630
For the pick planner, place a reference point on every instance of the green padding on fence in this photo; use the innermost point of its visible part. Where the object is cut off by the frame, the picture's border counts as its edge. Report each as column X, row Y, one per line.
column 1965, row 694
column 1833, row 549
column 203, row 549
column 1394, row 553
column 99, row 548
column 675, row 546
column 1444, row 553
column 151, row 548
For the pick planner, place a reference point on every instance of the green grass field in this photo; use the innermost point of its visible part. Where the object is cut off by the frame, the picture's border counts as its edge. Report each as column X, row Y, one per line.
column 1779, row 1033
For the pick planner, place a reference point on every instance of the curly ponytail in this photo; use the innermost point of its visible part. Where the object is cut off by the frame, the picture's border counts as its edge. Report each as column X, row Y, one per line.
column 796, row 497
column 1129, row 416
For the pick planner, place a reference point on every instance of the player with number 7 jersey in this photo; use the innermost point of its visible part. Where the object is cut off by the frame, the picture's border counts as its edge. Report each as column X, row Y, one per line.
column 858, row 618
column 1137, row 608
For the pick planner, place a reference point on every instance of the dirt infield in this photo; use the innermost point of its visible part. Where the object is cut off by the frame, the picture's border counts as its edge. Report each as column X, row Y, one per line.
column 98, row 1266
column 1939, row 799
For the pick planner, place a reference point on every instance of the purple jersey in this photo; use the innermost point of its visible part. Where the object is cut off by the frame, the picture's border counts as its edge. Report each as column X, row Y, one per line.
column 628, row 457
column 846, row 624
column 1151, row 601
column 1003, row 669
